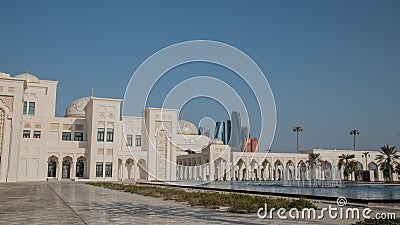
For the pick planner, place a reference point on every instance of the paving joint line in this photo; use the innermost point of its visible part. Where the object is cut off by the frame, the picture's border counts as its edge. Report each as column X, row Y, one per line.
column 83, row 221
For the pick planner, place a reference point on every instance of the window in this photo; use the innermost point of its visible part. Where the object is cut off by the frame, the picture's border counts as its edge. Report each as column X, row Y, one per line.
column 36, row 134
column 26, row 134
column 66, row 136
column 99, row 169
column 138, row 140
column 108, row 169
column 25, row 108
column 110, row 134
column 78, row 136
column 31, row 111
column 100, row 134
column 129, row 139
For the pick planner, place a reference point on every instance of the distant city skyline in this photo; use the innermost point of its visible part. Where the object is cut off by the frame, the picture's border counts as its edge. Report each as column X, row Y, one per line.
column 332, row 65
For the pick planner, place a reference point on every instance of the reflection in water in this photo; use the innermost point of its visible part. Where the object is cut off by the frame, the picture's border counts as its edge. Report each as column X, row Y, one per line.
column 356, row 191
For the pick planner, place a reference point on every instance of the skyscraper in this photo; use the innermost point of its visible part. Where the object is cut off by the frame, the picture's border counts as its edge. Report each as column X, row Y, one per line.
column 235, row 134
column 244, row 134
column 228, row 131
column 220, row 131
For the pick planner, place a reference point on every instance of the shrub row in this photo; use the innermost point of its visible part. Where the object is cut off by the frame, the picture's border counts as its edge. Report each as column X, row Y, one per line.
column 238, row 203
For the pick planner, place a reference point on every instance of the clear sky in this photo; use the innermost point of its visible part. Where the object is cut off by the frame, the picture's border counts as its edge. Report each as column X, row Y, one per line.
column 332, row 65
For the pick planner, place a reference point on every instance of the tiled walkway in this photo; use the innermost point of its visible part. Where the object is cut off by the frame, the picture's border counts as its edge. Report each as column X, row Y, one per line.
column 78, row 203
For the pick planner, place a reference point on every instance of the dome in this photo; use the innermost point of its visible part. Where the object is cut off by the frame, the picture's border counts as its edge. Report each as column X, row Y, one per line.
column 186, row 127
column 27, row 76
column 77, row 108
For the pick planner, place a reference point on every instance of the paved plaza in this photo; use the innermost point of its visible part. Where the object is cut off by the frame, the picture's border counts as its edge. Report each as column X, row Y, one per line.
column 78, row 203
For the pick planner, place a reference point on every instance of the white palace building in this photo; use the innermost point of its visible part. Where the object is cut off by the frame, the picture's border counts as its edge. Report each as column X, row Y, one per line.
column 93, row 142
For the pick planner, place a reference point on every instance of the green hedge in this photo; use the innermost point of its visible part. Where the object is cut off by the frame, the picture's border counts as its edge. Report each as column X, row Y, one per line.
column 238, row 203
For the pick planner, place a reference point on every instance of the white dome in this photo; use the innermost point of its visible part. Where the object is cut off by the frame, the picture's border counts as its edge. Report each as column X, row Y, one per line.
column 186, row 127
column 77, row 108
column 27, row 76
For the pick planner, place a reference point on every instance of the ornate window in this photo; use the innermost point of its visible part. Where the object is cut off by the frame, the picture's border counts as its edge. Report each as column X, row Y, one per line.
column 138, row 140
column 110, row 134
column 26, row 134
column 36, row 133
column 25, row 108
column 108, row 171
column 66, row 136
column 99, row 169
column 129, row 139
column 78, row 136
column 31, row 111
column 100, row 134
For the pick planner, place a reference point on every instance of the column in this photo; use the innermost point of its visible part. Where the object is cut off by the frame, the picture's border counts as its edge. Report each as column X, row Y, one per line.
column 212, row 171
column 59, row 168
column 73, row 167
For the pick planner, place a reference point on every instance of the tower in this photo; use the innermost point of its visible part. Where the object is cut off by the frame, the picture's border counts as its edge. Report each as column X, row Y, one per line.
column 235, row 134
column 220, row 131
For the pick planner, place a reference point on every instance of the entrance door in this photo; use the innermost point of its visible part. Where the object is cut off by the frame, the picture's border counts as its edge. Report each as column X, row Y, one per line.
column 52, row 168
column 66, row 169
column 80, row 166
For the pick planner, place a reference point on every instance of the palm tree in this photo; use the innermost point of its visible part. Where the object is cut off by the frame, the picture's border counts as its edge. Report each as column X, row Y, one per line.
column 388, row 158
column 345, row 161
column 353, row 168
column 385, row 170
column 313, row 160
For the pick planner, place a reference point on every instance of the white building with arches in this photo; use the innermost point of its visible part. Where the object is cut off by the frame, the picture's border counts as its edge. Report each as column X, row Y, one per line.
column 93, row 142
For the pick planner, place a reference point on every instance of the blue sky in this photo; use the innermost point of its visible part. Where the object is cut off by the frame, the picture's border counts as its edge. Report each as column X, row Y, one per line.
column 332, row 65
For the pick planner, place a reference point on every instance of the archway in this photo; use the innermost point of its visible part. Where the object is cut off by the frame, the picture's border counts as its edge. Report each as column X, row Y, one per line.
column 142, row 169
column 302, row 168
column 327, row 170
column 265, row 172
column 278, row 170
column 290, row 170
column 130, row 168
column 372, row 166
column 220, row 169
column 80, row 167
column 52, row 166
column 241, row 170
column 358, row 171
column 66, row 167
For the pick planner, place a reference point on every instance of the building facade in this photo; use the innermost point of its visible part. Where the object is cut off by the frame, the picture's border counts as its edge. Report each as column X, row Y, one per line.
column 90, row 142
column 93, row 142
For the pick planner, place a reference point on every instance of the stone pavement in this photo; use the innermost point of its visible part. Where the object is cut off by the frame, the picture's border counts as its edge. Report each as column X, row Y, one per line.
column 78, row 203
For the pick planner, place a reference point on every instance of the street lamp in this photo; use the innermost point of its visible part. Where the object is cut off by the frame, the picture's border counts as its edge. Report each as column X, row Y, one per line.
column 297, row 129
column 354, row 132
column 366, row 155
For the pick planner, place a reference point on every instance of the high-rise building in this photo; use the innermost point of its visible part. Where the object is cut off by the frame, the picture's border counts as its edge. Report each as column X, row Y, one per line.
column 251, row 145
column 220, row 131
column 235, row 134
column 228, row 131
column 244, row 134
